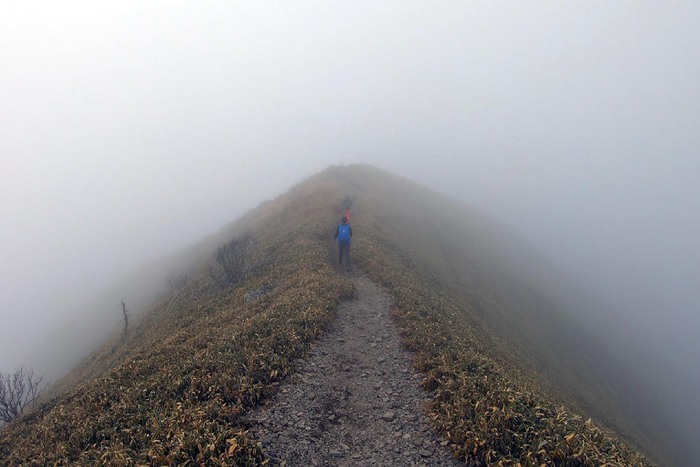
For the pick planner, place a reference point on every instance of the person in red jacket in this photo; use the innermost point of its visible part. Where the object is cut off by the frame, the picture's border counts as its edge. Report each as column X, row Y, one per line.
column 346, row 206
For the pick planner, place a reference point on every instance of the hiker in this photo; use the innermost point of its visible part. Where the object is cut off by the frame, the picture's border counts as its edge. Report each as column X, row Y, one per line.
column 343, row 235
column 347, row 204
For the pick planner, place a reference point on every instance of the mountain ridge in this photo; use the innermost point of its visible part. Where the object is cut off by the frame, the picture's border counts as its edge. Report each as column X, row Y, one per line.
column 206, row 355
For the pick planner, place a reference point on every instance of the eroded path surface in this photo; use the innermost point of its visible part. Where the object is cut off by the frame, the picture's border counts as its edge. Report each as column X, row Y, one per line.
column 356, row 400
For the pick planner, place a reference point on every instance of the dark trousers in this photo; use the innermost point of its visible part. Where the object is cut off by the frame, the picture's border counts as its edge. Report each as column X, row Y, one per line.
column 344, row 251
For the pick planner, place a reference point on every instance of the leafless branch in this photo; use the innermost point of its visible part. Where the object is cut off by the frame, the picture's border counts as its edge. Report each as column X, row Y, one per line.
column 232, row 261
column 126, row 318
column 177, row 282
column 17, row 391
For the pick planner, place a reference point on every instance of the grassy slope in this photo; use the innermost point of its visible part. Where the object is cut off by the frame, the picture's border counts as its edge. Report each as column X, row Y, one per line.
column 200, row 360
column 467, row 316
column 179, row 387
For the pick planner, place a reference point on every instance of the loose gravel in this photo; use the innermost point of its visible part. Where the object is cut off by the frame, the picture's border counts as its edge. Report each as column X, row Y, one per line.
column 355, row 400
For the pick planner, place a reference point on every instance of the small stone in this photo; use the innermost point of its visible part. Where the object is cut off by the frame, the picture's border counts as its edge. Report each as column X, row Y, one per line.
column 425, row 453
column 388, row 416
column 335, row 453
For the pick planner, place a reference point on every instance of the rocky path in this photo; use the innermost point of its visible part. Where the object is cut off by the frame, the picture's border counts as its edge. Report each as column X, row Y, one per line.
column 356, row 400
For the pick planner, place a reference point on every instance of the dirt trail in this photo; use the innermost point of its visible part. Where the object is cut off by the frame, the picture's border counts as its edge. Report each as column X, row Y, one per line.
column 355, row 400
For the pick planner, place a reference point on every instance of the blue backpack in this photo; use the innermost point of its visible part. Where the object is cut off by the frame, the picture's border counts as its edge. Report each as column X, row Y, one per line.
column 344, row 233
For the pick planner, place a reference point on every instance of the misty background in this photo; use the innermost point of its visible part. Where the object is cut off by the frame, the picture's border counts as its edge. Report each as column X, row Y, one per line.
column 130, row 131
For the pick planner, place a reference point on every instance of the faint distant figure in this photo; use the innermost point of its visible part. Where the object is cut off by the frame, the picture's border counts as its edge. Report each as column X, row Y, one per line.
column 347, row 204
column 343, row 235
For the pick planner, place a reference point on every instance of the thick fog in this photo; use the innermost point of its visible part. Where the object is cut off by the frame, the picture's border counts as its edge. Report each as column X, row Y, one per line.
column 131, row 130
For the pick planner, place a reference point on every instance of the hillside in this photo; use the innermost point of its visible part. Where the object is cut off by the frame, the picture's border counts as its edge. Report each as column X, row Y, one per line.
column 508, row 380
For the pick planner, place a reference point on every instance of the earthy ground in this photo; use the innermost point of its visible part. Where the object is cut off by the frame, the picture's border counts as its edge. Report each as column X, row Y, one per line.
column 356, row 400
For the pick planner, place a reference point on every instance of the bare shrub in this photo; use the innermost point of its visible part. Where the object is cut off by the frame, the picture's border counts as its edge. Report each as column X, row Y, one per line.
column 17, row 391
column 125, row 312
column 232, row 261
column 177, row 282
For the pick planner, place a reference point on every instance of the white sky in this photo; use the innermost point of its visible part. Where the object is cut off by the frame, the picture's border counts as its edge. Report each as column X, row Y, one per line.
column 130, row 129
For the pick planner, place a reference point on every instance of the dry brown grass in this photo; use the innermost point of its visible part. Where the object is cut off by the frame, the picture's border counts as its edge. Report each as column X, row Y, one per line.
column 178, row 390
column 195, row 366
column 490, row 401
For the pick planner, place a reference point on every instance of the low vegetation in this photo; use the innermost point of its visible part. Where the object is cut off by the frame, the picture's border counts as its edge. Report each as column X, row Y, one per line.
column 179, row 388
column 489, row 400
column 188, row 374
column 489, row 411
column 18, row 390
